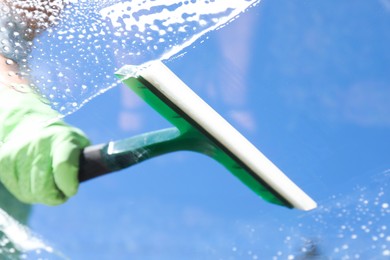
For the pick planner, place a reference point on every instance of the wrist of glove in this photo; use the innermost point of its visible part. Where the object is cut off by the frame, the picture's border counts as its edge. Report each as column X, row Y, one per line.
column 39, row 153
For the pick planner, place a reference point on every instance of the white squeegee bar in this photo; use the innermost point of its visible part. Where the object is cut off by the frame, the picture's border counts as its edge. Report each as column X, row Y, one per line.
column 174, row 89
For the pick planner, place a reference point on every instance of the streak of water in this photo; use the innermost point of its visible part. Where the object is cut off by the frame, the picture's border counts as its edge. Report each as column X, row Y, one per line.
column 16, row 240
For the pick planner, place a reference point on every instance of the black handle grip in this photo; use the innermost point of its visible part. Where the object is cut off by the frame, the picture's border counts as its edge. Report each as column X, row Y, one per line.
column 92, row 162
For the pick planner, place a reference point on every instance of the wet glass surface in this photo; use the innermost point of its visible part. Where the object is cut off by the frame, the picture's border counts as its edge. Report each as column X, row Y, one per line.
column 76, row 60
column 308, row 83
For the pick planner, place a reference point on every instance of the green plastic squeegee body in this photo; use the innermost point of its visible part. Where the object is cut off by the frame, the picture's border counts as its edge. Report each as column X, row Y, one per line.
column 197, row 127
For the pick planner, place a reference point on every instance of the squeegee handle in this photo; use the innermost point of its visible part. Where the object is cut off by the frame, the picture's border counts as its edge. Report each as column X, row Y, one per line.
column 101, row 159
column 92, row 163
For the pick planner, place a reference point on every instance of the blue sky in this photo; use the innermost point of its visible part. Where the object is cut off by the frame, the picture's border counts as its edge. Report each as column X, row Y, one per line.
column 308, row 83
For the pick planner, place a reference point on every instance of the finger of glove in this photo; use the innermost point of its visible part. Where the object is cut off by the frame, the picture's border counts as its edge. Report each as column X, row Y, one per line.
column 66, row 151
column 42, row 183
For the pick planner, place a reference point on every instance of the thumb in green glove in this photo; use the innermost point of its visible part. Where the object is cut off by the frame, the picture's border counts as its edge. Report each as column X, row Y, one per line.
column 39, row 153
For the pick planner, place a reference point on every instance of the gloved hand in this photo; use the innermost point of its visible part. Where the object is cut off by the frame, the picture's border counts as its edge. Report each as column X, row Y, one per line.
column 39, row 153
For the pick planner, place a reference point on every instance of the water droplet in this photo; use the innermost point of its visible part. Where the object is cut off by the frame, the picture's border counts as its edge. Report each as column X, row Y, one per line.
column 9, row 62
column 22, row 88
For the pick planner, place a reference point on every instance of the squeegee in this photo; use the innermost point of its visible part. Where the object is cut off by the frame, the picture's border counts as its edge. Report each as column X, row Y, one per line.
column 198, row 128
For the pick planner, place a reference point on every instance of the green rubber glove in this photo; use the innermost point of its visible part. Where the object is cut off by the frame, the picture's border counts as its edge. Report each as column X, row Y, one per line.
column 39, row 153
